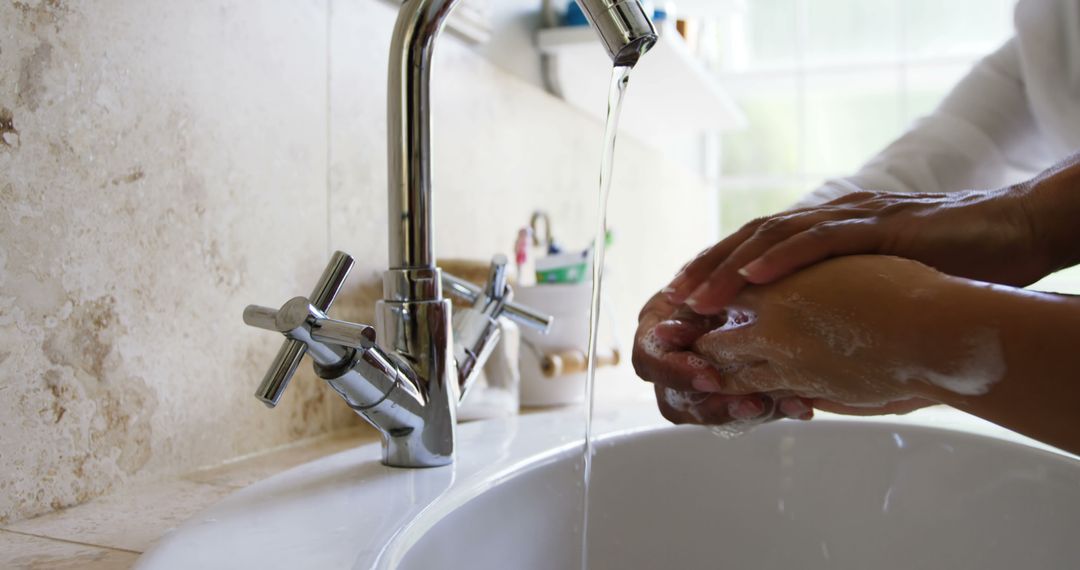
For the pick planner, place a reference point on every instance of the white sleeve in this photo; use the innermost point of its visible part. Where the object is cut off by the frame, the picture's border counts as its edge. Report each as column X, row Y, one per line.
column 983, row 135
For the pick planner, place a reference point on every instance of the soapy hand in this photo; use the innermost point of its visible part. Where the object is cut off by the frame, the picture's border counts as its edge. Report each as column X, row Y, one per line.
column 984, row 235
column 839, row 333
column 686, row 384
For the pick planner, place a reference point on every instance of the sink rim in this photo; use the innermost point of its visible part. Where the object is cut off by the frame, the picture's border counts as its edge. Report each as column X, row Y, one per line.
column 303, row 505
column 410, row 535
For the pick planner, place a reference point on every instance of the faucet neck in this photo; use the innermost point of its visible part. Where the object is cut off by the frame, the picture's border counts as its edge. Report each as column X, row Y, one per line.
column 409, row 130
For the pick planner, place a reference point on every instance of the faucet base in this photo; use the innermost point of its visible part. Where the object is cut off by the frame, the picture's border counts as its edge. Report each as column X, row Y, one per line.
column 409, row 451
column 420, row 334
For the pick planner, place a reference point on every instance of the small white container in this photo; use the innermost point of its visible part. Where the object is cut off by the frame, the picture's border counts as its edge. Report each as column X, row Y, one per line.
column 569, row 304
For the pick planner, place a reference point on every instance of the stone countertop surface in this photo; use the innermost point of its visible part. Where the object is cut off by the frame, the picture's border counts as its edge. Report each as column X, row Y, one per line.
column 111, row 532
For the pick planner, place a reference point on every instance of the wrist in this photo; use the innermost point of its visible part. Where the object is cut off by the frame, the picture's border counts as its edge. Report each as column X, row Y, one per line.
column 1051, row 203
column 987, row 333
column 953, row 350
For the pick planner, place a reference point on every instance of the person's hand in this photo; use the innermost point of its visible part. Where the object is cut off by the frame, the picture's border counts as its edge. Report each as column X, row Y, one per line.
column 854, row 334
column 984, row 235
column 685, row 383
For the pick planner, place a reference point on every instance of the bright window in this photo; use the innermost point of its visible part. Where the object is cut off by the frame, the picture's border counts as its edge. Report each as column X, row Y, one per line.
column 826, row 84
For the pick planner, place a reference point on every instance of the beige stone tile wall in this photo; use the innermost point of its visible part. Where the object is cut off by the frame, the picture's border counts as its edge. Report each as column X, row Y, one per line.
column 163, row 164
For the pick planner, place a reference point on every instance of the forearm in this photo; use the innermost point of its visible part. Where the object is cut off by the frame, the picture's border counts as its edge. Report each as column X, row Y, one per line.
column 1023, row 347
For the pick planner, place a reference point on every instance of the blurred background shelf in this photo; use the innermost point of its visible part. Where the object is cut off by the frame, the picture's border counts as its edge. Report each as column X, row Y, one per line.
column 672, row 97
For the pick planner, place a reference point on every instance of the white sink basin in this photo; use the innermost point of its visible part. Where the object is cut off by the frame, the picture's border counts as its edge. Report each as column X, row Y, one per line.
column 822, row 494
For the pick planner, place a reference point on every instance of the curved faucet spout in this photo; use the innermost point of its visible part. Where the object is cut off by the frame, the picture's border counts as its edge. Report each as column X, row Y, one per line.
column 623, row 26
column 409, row 130
column 624, row 29
column 408, row 379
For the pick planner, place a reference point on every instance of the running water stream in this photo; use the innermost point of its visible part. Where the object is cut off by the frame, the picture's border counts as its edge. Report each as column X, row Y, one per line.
column 620, row 76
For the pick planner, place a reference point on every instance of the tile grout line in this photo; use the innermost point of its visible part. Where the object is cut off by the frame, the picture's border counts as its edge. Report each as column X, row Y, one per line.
column 328, row 167
column 328, row 414
column 346, row 433
column 69, row 541
column 228, row 487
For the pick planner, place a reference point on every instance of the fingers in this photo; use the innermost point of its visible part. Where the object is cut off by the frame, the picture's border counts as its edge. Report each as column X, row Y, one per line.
column 656, row 309
column 699, row 268
column 681, row 333
column 763, row 232
column 682, row 407
column 725, row 280
column 899, row 407
column 689, row 388
column 712, row 280
column 661, row 348
column 664, row 355
column 719, row 409
column 740, row 362
column 666, row 363
column 819, row 242
column 796, row 408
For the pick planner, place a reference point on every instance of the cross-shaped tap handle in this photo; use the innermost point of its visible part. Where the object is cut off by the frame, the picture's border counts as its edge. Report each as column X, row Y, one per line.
column 292, row 351
column 495, row 293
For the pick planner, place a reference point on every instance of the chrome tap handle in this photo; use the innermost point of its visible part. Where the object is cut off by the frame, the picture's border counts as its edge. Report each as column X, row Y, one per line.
column 281, row 371
column 331, row 280
column 292, row 351
column 476, row 330
column 321, row 328
column 343, row 333
column 520, row 314
column 496, row 287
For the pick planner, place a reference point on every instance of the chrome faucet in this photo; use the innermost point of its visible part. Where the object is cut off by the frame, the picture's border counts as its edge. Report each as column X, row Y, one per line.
column 407, row 374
